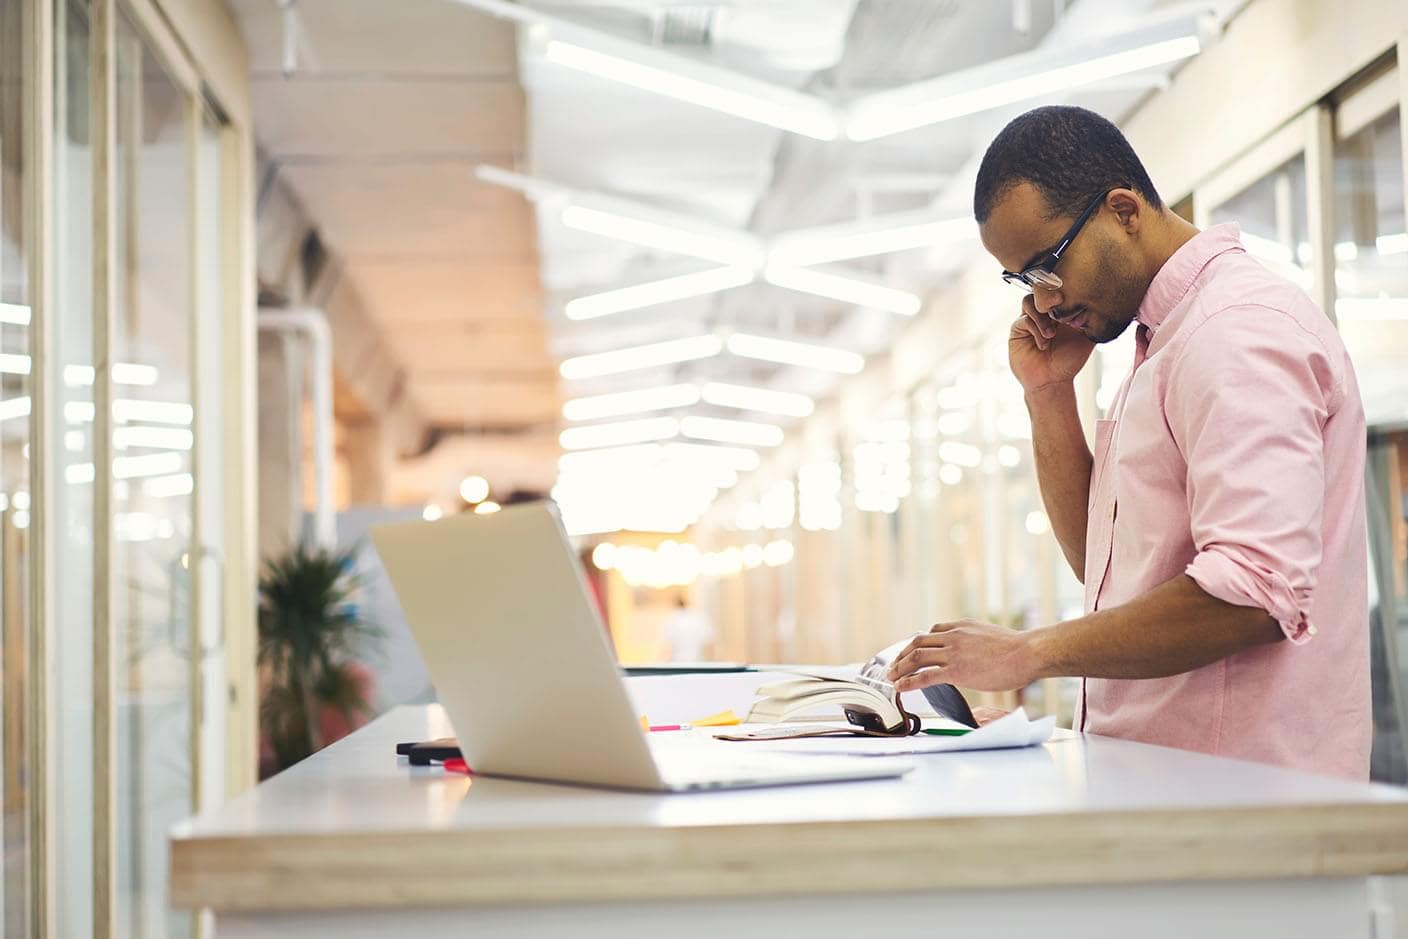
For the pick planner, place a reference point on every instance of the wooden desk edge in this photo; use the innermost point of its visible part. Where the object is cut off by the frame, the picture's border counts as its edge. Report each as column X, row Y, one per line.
column 536, row 865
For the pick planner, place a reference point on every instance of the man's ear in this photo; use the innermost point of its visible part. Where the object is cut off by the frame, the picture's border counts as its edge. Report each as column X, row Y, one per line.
column 1128, row 208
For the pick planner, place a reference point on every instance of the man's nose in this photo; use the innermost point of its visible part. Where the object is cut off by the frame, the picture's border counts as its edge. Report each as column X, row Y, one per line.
column 1045, row 299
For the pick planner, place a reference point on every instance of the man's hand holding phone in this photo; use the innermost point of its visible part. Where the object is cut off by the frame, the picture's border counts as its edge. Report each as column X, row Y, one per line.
column 1043, row 352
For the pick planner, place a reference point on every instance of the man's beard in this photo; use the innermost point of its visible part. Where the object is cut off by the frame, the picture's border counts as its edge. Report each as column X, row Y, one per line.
column 1128, row 293
column 1114, row 329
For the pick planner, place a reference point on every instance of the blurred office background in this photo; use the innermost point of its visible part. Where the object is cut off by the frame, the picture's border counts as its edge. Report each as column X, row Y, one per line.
column 704, row 273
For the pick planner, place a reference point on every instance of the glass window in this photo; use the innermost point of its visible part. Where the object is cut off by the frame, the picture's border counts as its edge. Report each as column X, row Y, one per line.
column 71, row 422
column 209, row 567
column 14, row 470
column 1272, row 213
column 1371, row 265
column 153, row 479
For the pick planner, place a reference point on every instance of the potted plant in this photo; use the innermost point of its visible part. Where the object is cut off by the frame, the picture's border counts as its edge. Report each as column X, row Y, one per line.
column 309, row 631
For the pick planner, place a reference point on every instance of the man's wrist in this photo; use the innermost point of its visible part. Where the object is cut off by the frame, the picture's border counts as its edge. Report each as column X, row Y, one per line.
column 1056, row 392
column 1039, row 648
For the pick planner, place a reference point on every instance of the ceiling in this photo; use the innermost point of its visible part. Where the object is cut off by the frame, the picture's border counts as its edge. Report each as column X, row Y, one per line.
column 378, row 115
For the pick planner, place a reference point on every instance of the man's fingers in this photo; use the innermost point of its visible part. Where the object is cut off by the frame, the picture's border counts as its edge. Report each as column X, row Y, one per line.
column 919, row 658
column 1024, row 329
column 922, row 679
column 1045, row 325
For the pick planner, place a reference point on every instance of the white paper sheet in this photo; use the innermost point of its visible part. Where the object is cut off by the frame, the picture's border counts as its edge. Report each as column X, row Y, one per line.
column 1011, row 730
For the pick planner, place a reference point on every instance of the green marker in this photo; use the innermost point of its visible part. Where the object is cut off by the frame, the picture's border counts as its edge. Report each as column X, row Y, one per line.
column 948, row 731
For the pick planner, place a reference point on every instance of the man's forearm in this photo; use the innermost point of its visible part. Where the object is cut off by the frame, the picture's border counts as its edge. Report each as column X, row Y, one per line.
column 1174, row 628
column 1063, row 465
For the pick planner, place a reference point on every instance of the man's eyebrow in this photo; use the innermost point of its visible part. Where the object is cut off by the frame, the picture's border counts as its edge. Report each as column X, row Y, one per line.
column 1036, row 257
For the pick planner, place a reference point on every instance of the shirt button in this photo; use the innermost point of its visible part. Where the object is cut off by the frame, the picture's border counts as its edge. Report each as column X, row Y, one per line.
column 1312, row 630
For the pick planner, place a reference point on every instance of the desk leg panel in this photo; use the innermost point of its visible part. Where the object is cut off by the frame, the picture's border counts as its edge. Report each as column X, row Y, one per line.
column 1313, row 909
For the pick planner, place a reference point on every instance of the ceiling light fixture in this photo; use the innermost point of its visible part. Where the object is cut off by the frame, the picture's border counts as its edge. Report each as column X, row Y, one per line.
column 15, row 407
column 845, row 243
column 153, row 412
column 746, row 433
column 727, row 92
column 619, row 433
column 785, row 403
column 152, row 464
column 845, row 289
column 658, row 291
column 14, row 314
column 637, row 357
column 1017, row 78
column 721, row 247
column 595, row 407
column 788, row 352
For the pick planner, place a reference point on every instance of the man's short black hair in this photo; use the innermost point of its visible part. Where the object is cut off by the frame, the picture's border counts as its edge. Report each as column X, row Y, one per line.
column 1069, row 154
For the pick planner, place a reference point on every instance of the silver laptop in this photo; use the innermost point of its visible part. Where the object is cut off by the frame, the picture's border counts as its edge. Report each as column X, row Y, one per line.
column 526, row 673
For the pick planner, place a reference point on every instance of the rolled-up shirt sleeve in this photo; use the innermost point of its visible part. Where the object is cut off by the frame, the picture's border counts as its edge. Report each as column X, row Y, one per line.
column 1247, row 402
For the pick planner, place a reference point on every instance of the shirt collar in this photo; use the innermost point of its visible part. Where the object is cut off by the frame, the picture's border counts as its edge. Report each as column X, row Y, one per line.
column 1173, row 281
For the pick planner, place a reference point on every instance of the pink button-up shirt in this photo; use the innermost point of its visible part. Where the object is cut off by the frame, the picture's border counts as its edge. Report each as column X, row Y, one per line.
column 1235, row 454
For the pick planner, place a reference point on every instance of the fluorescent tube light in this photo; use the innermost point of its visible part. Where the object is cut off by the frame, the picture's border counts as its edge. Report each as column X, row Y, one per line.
column 747, row 433
column 13, row 364
column 153, row 412
column 786, row 110
column 638, row 357
column 130, row 373
column 15, row 407
column 533, row 188
column 161, row 487
column 823, row 246
column 621, row 432
column 786, row 403
column 587, row 459
column 740, row 459
column 1039, row 74
column 658, row 291
column 787, row 352
column 1392, row 244
column 710, row 246
column 596, row 407
column 159, row 438
column 151, row 464
column 79, row 412
column 15, row 314
column 78, row 473
column 123, row 373
column 845, row 289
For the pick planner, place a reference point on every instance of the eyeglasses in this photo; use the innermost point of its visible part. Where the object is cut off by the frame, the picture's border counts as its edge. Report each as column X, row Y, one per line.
column 1043, row 272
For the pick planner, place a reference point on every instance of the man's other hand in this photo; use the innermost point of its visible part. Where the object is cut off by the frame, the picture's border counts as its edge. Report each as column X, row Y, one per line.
column 967, row 653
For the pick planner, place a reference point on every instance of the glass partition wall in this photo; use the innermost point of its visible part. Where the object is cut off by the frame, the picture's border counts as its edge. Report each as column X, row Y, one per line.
column 16, row 635
column 70, row 425
column 152, row 441
column 140, row 251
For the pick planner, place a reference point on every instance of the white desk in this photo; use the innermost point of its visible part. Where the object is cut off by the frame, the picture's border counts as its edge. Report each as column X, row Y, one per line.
column 1082, row 837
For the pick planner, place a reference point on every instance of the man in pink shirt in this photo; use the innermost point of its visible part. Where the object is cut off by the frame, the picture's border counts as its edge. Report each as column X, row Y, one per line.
column 1218, row 526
